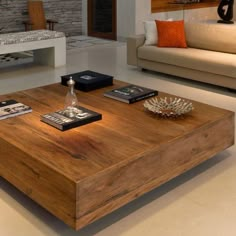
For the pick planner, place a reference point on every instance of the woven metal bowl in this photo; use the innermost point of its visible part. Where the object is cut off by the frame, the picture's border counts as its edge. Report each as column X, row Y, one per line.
column 168, row 107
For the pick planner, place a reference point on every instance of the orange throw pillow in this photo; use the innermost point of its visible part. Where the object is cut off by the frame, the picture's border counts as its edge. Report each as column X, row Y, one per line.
column 171, row 34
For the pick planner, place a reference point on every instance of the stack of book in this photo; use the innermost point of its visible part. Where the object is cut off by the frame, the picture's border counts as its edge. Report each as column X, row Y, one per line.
column 63, row 119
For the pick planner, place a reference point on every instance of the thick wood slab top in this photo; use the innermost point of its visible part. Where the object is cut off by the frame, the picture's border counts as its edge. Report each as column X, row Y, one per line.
column 126, row 131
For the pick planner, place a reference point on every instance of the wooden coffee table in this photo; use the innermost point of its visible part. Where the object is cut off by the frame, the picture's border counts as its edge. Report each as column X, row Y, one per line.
column 87, row 172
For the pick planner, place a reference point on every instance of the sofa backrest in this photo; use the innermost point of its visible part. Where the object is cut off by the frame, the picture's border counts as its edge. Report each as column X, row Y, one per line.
column 211, row 36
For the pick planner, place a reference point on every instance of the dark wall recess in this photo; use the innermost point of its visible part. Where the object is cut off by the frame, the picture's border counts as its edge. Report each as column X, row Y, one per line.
column 102, row 18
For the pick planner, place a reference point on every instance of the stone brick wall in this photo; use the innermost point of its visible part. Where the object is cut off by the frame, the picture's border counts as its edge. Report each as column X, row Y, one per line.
column 68, row 13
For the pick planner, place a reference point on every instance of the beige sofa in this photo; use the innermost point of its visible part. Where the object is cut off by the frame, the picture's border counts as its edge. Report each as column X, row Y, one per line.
column 210, row 56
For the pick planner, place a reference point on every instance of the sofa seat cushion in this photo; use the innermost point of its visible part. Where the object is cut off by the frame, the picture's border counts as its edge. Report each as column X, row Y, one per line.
column 197, row 59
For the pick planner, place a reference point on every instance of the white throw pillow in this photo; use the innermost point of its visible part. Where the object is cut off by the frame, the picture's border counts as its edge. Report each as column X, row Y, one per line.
column 150, row 30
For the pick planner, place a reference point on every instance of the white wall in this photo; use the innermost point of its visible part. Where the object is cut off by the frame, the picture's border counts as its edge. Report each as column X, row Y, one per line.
column 125, row 18
column 143, row 12
column 234, row 18
column 84, row 17
column 132, row 13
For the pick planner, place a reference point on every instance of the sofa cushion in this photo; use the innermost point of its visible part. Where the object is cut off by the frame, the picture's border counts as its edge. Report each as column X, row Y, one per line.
column 204, row 60
column 171, row 34
column 150, row 29
column 211, row 36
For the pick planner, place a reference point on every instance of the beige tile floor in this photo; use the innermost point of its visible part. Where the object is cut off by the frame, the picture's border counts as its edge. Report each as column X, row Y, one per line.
column 201, row 202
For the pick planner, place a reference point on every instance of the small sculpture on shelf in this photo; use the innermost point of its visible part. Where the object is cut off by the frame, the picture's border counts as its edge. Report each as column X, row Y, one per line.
column 225, row 11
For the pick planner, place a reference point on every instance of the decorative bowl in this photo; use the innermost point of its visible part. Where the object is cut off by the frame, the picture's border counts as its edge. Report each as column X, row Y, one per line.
column 168, row 107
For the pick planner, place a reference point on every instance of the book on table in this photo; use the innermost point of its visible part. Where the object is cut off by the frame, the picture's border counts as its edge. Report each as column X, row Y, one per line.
column 11, row 108
column 130, row 93
column 63, row 120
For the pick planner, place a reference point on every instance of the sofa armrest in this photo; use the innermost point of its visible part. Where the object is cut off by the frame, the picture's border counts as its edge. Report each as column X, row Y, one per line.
column 133, row 43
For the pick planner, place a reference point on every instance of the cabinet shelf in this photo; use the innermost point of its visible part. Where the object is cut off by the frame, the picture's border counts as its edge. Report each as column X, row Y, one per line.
column 167, row 5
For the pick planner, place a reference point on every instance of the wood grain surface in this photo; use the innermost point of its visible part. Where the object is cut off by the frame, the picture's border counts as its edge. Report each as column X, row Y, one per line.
column 84, row 173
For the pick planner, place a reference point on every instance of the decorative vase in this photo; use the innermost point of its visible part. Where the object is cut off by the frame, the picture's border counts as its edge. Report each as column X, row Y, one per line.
column 71, row 102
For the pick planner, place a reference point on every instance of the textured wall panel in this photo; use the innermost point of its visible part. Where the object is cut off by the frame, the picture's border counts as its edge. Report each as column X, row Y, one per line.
column 68, row 14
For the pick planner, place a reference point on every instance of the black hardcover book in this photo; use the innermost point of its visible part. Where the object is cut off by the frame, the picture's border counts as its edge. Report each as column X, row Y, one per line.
column 88, row 80
column 62, row 120
column 130, row 93
column 11, row 108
